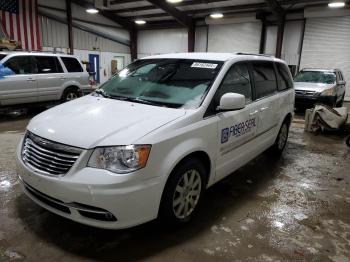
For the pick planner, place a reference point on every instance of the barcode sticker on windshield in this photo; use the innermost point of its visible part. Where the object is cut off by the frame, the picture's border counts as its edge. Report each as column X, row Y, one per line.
column 204, row 65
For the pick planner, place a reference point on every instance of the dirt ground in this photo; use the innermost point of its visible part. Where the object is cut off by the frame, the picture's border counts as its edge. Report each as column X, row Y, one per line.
column 296, row 208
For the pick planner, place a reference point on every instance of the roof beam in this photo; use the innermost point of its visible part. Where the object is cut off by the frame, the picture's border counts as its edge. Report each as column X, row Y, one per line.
column 124, row 22
column 206, row 11
column 181, row 17
column 276, row 9
column 114, row 5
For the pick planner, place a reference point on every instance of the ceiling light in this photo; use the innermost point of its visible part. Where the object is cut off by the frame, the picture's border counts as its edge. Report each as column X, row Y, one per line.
column 336, row 4
column 217, row 15
column 92, row 10
column 174, row 1
column 140, row 22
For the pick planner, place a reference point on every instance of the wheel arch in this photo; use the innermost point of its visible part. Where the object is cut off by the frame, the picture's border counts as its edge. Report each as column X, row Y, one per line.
column 203, row 157
column 288, row 118
column 199, row 154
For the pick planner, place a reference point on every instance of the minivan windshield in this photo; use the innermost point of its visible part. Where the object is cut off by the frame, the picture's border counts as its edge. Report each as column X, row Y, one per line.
column 315, row 77
column 176, row 83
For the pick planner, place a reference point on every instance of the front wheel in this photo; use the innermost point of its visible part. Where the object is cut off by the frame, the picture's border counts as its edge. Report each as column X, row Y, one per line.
column 183, row 192
column 282, row 138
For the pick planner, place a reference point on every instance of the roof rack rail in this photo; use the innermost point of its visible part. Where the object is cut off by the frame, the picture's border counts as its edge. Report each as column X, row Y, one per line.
column 265, row 55
column 32, row 51
column 318, row 68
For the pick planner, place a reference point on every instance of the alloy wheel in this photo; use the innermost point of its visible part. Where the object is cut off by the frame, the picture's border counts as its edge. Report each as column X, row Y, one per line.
column 187, row 194
column 282, row 139
column 71, row 96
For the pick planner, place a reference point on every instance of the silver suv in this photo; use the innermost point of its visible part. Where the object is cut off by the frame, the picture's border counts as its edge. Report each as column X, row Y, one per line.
column 27, row 78
column 326, row 86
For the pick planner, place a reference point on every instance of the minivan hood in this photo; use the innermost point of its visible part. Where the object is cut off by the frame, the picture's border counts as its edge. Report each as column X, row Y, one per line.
column 91, row 121
column 316, row 87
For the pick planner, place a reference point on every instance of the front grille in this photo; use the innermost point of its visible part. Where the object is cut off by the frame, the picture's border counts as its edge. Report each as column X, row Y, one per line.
column 305, row 93
column 47, row 157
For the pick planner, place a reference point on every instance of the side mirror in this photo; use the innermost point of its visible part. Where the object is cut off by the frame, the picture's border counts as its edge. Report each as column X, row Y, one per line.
column 231, row 101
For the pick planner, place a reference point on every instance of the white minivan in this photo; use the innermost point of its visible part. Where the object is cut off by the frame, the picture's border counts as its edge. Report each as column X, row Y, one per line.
column 155, row 136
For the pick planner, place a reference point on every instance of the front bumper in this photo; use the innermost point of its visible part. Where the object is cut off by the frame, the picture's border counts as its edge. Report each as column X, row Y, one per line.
column 94, row 197
column 312, row 100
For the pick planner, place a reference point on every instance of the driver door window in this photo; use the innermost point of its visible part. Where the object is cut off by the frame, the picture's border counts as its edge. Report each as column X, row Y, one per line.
column 237, row 80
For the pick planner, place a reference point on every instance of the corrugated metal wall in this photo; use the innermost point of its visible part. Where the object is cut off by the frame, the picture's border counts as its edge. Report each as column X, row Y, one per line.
column 242, row 37
column 292, row 41
column 152, row 42
column 327, row 45
column 54, row 34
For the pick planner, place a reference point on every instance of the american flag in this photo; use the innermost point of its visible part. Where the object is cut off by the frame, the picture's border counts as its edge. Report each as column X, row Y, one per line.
column 19, row 20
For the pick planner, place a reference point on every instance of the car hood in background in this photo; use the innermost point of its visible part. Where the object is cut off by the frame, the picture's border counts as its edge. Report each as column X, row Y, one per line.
column 315, row 87
column 95, row 121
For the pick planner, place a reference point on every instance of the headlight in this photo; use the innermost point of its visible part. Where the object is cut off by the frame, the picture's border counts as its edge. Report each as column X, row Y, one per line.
column 327, row 92
column 120, row 159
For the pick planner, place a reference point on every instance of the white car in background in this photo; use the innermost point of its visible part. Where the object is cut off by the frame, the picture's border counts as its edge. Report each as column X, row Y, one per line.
column 28, row 78
column 155, row 136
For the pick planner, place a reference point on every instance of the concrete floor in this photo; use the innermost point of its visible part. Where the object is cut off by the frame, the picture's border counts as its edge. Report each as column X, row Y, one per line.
column 296, row 208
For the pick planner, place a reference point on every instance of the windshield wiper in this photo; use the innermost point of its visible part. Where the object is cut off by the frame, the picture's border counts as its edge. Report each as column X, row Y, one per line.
column 143, row 101
column 130, row 99
column 102, row 93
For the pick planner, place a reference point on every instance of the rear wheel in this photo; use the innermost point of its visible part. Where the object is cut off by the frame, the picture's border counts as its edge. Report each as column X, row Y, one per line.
column 348, row 141
column 282, row 138
column 183, row 192
column 69, row 94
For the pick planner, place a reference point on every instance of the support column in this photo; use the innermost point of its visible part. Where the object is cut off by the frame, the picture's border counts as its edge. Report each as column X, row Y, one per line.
column 133, row 44
column 191, row 37
column 262, row 37
column 70, row 26
column 280, row 32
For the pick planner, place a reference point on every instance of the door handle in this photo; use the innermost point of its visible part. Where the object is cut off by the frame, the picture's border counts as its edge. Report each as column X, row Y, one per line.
column 264, row 108
column 63, row 78
column 254, row 113
column 31, row 80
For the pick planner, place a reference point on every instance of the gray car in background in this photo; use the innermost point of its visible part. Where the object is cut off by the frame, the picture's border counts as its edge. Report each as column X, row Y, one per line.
column 325, row 86
column 27, row 78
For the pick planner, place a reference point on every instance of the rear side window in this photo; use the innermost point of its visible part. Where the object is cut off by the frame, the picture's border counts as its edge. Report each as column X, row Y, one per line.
column 283, row 77
column 237, row 80
column 21, row 65
column 2, row 56
column 48, row 64
column 72, row 64
column 264, row 78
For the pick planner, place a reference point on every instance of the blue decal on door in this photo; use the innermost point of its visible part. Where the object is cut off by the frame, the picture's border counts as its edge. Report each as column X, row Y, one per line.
column 237, row 130
column 225, row 134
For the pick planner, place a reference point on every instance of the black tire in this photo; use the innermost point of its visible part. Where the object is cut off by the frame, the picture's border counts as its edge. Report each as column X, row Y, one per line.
column 168, row 208
column 282, row 138
column 348, row 141
column 69, row 94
